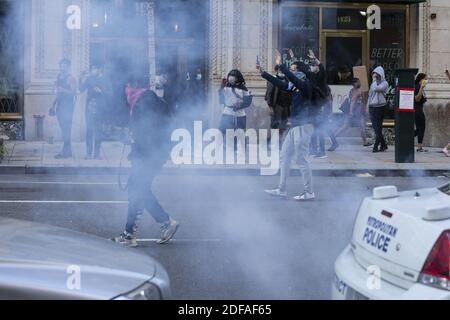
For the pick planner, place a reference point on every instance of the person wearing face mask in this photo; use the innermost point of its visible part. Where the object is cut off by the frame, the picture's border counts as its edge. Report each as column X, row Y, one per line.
column 420, row 98
column 357, row 113
column 321, row 109
column 96, row 103
column 235, row 97
column 377, row 105
column 297, row 137
column 279, row 103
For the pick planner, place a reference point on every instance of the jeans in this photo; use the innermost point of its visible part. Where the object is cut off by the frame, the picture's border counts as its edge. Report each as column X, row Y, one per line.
column 140, row 195
column 93, row 134
column 377, row 117
column 296, row 142
column 321, row 129
column 64, row 114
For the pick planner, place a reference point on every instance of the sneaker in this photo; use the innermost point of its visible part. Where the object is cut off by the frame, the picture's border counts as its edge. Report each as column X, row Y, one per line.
column 384, row 149
column 320, row 156
column 333, row 147
column 126, row 239
column 277, row 193
column 305, row 197
column 446, row 152
column 422, row 150
column 168, row 230
column 367, row 144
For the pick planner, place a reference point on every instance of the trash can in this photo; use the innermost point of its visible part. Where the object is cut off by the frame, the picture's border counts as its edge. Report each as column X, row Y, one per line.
column 39, row 127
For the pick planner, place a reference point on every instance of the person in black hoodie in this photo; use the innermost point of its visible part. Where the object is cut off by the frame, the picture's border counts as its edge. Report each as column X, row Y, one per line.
column 297, row 138
column 279, row 103
column 151, row 127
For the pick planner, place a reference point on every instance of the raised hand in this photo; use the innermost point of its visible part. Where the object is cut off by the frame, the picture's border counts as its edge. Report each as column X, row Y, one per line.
column 278, row 58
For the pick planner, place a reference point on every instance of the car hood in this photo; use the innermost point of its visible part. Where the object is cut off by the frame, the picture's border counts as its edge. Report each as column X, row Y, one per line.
column 66, row 263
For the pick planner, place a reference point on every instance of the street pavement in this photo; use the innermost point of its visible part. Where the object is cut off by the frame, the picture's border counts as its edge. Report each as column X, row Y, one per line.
column 235, row 242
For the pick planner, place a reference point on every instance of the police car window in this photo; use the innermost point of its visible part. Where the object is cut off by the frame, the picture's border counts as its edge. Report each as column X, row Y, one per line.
column 445, row 189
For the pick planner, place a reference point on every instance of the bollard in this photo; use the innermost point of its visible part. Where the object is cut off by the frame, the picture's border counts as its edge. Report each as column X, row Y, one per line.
column 404, row 115
column 39, row 127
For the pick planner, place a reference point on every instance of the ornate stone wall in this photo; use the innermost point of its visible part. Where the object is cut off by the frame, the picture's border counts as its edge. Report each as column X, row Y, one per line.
column 48, row 40
column 433, row 56
column 240, row 30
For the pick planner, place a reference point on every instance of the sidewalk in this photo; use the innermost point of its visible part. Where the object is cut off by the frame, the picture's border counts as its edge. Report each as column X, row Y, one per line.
column 38, row 157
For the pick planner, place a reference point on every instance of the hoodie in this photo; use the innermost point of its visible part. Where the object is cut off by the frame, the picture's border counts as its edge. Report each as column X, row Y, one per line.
column 301, row 90
column 378, row 90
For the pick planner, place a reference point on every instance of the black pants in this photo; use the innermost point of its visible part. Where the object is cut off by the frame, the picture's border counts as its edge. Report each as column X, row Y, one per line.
column 93, row 134
column 140, row 195
column 420, row 124
column 377, row 117
column 321, row 129
column 64, row 114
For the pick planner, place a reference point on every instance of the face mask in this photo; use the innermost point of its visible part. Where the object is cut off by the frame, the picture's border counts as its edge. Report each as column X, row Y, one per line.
column 425, row 82
column 199, row 76
column 232, row 80
column 281, row 75
column 314, row 69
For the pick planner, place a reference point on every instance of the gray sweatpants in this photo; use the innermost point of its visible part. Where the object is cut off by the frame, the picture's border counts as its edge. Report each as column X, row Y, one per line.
column 296, row 143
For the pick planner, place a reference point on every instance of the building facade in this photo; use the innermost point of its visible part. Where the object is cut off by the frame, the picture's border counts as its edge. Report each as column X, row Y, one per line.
column 226, row 35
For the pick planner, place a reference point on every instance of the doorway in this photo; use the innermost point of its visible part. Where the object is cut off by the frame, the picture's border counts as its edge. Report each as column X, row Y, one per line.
column 341, row 52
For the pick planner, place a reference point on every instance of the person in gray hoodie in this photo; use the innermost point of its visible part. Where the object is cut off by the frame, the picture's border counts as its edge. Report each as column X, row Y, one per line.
column 377, row 105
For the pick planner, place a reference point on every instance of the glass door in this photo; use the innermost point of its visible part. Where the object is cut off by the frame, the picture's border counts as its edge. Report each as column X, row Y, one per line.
column 341, row 51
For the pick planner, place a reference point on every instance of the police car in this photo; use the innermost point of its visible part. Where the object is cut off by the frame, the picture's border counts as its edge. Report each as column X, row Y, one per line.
column 400, row 248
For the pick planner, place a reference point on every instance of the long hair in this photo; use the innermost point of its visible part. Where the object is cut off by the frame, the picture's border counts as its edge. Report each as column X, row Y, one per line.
column 240, row 81
column 420, row 77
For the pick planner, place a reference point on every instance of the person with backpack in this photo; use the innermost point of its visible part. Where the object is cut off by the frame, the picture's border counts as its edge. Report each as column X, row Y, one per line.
column 297, row 137
column 354, row 112
column 377, row 106
column 150, row 127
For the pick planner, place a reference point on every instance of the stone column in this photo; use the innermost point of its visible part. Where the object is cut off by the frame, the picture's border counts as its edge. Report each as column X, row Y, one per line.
column 432, row 56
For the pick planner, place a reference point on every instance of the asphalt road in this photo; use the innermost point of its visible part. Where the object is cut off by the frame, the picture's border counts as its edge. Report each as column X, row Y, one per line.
column 235, row 242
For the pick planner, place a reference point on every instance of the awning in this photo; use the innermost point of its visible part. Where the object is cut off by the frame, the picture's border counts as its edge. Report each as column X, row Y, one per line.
column 365, row 1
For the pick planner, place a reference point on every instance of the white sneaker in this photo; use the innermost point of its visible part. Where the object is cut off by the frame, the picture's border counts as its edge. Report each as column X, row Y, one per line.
column 168, row 230
column 446, row 152
column 305, row 197
column 277, row 193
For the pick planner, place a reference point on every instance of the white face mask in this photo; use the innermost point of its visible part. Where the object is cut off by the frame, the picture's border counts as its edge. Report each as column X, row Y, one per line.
column 199, row 76
column 232, row 80
column 314, row 69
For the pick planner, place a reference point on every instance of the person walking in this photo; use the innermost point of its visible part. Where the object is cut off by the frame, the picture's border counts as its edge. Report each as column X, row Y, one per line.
column 151, row 127
column 420, row 98
column 298, row 136
column 65, row 89
column 96, row 103
column 356, row 113
column 377, row 105
column 446, row 149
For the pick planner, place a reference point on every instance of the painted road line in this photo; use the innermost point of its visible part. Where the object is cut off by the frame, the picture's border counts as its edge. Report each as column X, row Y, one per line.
column 61, row 183
column 61, row 202
column 180, row 240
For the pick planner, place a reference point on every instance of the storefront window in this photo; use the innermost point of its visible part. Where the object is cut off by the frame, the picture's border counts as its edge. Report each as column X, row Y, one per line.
column 299, row 31
column 387, row 46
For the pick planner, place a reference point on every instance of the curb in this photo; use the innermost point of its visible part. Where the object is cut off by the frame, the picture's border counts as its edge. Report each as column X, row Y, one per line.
column 23, row 170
